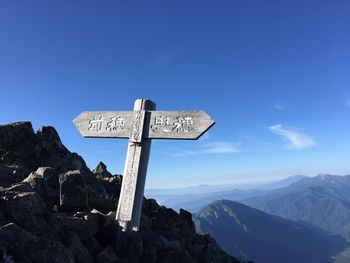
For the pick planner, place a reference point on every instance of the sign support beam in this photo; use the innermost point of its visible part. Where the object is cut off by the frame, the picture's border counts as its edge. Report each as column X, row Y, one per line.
column 131, row 195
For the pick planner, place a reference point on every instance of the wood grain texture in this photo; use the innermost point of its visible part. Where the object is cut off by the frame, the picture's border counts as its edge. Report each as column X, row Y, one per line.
column 179, row 125
column 176, row 125
column 135, row 170
column 104, row 124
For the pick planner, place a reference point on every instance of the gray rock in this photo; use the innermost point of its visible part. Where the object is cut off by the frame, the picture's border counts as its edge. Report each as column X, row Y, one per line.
column 8, row 176
column 101, row 171
column 108, row 231
column 18, row 187
column 92, row 246
column 107, row 255
column 62, row 223
column 28, row 211
column 165, row 235
column 18, row 149
column 129, row 246
column 77, row 249
column 73, row 195
column 45, row 182
column 170, row 245
column 26, row 247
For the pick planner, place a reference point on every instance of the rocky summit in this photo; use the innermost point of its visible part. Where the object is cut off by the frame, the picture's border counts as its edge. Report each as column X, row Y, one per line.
column 54, row 209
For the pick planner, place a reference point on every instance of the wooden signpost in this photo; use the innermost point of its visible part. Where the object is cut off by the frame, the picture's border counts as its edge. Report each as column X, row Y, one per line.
column 140, row 127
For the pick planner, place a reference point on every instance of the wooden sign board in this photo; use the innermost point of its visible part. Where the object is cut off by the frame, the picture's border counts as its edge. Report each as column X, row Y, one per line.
column 163, row 124
column 140, row 126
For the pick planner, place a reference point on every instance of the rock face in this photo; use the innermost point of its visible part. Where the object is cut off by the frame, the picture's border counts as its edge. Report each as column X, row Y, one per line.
column 54, row 209
column 73, row 194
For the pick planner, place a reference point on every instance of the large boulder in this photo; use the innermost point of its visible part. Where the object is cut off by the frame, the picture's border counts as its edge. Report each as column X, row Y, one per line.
column 27, row 210
column 23, row 246
column 61, row 223
column 73, row 194
column 77, row 249
column 45, row 182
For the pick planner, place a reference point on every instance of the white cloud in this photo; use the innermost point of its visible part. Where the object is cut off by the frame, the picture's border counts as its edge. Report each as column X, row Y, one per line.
column 296, row 139
column 279, row 106
column 213, row 148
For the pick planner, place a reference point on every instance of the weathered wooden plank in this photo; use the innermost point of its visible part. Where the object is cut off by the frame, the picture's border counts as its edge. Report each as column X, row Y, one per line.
column 107, row 124
column 163, row 124
column 137, row 126
column 178, row 124
column 131, row 195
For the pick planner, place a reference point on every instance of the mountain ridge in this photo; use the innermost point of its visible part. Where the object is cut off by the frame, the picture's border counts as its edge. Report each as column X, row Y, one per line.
column 245, row 231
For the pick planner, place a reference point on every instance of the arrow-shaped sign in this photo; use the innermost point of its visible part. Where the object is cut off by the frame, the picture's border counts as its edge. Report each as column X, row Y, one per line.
column 161, row 124
column 140, row 126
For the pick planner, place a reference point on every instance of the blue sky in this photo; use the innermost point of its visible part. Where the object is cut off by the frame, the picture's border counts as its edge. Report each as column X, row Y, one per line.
column 274, row 75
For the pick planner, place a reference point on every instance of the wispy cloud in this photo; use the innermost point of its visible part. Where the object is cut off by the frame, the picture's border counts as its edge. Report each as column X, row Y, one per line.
column 212, row 148
column 295, row 138
column 279, row 106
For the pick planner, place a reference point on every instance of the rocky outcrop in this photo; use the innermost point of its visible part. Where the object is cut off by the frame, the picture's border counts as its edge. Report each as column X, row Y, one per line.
column 23, row 246
column 73, row 196
column 54, row 209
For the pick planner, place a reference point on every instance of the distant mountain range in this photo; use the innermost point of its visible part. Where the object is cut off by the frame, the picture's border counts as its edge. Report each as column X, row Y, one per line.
column 276, row 232
column 323, row 201
column 249, row 233
column 194, row 198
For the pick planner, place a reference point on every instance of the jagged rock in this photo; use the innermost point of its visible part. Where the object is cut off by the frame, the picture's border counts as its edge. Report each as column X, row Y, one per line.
column 26, row 247
column 45, row 182
column 34, row 204
column 92, row 246
column 73, row 194
column 23, row 151
column 61, row 223
column 101, row 171
column 27, row 210
column 108, row 229
column 107, row 255
column 130, row 246
column 151, row 243
column 170, row 245
column 77, row 249
column 8, row 176
column 19, row 187
column 187, row 218
column 19, row 146
column 112, row 184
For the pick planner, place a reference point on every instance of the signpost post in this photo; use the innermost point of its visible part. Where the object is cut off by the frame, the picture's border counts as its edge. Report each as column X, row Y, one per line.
column 140, row 127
